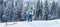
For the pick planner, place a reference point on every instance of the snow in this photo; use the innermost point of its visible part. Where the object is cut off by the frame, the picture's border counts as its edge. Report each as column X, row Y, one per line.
column 48, row 23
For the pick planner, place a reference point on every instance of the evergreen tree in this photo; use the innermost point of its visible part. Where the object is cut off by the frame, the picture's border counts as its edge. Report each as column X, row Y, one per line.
column 58, row 11
column 1, row 2
column 37, row 10
column 54, row 10
column 41, row 8
column 1, row 9
column 20, row 8
column 46, row 10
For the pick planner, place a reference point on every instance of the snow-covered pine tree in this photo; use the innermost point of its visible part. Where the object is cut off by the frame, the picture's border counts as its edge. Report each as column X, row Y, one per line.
column 54, row 10
column 46, row 10
column 41, row 9
column 37, row 10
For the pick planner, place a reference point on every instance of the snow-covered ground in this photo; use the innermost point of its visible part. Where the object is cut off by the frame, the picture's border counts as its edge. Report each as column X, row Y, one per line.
column 49, row 23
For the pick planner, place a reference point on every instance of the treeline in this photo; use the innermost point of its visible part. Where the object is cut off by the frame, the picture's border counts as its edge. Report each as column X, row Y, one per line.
column 14, row 10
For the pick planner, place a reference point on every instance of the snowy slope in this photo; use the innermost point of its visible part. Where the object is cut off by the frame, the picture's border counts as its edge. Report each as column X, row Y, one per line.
column 52, row 23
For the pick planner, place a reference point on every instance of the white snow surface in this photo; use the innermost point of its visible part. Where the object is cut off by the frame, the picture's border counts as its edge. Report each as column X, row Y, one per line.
column 48, row 23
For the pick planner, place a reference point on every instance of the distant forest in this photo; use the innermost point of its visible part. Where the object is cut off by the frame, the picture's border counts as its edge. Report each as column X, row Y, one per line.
column 16, row 10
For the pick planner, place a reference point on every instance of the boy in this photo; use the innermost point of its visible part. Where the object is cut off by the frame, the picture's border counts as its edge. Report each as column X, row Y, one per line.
column 30, row 14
